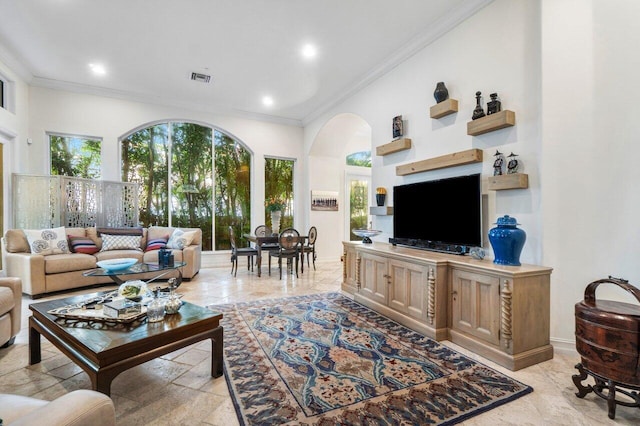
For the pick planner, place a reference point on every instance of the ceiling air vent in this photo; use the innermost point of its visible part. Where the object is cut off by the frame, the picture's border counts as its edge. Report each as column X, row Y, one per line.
column 203, row 78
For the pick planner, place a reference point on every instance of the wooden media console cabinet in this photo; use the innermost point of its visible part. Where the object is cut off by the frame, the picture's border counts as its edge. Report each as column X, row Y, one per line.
column 499, row 312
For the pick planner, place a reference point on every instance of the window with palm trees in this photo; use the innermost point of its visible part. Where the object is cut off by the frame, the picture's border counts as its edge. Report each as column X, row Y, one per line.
column 278, row 189
column 76, row 156
column 190, row 175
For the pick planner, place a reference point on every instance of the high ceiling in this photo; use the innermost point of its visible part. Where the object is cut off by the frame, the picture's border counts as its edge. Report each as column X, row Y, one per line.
column 251, row 48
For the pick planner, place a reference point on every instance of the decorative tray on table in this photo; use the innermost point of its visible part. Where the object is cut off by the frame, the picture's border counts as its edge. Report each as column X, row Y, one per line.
column 93, row 310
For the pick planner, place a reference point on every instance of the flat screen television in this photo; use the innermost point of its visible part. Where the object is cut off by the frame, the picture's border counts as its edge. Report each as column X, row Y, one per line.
column 442, row 215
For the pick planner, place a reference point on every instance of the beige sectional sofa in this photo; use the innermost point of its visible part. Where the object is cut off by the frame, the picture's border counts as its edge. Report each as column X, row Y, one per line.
column 47, row 273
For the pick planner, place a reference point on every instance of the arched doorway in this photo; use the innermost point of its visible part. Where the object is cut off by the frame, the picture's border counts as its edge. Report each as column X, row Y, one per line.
column 342, row 135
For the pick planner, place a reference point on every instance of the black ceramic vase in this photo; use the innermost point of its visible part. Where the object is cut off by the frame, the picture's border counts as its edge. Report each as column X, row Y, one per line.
column 441, row 93
column 380, row 198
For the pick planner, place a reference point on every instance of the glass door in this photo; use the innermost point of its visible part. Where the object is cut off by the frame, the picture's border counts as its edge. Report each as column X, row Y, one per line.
column 358, row 190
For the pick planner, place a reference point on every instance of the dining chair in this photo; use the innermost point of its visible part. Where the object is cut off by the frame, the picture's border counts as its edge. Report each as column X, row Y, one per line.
column 289, row 249
column 262, row 231
column 236, row 251
column 309, row 248
column 265, row 231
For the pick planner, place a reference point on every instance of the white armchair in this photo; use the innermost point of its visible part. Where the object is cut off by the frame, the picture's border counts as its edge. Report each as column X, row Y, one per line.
column 77, row 408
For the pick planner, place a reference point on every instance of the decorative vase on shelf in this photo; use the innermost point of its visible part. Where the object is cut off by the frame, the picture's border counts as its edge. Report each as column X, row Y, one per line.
column 507, row 241
column 478, row 112
column 441, row 93
column 275, row 221
column 381, row 195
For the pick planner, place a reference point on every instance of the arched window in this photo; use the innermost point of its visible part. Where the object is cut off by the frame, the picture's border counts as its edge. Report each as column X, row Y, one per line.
column 361, row 159
column 174, row 165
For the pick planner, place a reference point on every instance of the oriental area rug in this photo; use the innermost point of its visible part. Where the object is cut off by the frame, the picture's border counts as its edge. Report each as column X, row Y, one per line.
column 327, row 360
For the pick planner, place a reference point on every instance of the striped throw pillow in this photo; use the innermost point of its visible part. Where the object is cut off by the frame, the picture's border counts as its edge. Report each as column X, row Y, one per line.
column 82, row 245
column 157, row 243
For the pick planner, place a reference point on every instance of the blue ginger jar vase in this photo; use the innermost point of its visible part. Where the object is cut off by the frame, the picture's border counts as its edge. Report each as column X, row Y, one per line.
column 507, row 241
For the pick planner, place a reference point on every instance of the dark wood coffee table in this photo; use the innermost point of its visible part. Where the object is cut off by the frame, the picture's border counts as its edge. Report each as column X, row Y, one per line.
column 104, row 350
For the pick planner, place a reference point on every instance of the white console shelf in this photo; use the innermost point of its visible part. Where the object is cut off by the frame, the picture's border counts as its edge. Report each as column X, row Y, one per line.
column 499, row 312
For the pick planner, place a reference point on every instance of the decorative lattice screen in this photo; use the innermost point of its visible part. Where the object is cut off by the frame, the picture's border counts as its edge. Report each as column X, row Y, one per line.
column 50, row 201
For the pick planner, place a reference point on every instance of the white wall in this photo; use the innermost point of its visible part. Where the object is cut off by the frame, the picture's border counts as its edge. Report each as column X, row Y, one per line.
column 13, row 130
column 590, row 131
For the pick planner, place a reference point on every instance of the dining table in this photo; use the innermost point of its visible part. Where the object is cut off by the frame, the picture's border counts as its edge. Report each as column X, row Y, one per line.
column 267, row 239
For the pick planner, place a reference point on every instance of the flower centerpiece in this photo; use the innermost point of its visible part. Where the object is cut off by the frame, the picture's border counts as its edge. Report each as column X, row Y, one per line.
column 275, row 206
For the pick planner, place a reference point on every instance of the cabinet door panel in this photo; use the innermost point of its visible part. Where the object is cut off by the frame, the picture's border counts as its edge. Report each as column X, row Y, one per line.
column 408, row 288
column 476, row 305
column 373, row 278
column 417, row 305
column 398, row 276
column 349, row 285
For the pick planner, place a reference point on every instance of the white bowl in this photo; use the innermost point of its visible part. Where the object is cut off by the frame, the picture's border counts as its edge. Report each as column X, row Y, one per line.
column 133, row 289
column 366, row 234
column 116, row 264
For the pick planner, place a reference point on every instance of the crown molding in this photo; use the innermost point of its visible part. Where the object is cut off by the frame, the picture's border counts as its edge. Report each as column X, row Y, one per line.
column 15, row 65
column 158, row 100
column 442, row 26
column 7, row 134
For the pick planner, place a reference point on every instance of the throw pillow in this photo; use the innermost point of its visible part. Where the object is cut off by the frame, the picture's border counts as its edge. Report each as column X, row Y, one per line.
column 180, row 239
column 120, row 242
column 157, row 243
column 15, row 241
column 82, row 245
column 47, row 241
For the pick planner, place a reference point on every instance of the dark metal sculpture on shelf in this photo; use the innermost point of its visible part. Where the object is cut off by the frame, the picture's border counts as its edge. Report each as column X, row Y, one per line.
column 441, row 93
column 494, row 105
column 478, row 112
column 513, row 164
column 397, row 127
column 498, row 164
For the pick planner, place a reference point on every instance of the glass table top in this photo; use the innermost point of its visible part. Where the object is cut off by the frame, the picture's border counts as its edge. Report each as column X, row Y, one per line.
column 138, row 268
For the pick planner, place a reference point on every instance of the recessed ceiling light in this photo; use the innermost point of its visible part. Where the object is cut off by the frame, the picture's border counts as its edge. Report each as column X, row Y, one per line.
column 98, row 69
column 309, row 51
column 267, row 101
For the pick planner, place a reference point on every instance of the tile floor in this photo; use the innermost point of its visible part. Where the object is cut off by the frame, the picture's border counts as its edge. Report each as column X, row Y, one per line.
column 177, row 389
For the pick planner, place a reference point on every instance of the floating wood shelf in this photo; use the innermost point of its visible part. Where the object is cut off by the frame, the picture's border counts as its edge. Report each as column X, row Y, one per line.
column 446, row 107
column 381, row 210
column 456, row 159
column 492, row 122
column 395, row 146
column 508, row 181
